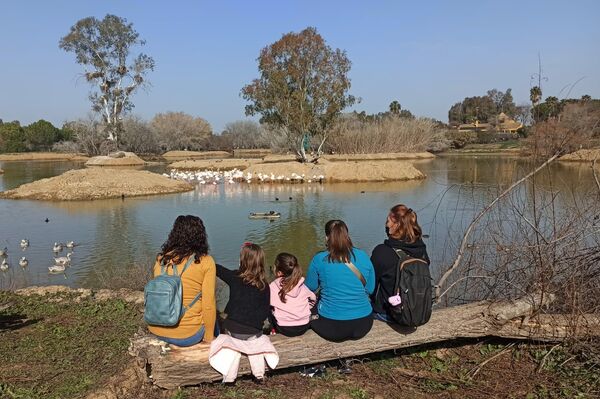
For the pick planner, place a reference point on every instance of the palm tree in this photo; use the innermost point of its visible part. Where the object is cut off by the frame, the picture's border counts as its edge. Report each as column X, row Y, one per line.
column 535, row 95
column 395, row 107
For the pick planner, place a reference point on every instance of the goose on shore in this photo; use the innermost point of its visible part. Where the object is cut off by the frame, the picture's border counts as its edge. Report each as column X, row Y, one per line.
column 23, row 262
column 63, row 260
column 57, row 247
column 56, row 268
column 4, row 265
column 4, row 252
column 24, row 243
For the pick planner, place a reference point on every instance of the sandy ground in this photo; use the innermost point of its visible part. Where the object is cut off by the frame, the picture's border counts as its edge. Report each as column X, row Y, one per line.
column 181, row 155
column 582, row 156
column 214, row 164
column 251, row 153
column 356, row 157
column 353, row 171
column 122, row 159
column 97, row 183
column 1, row 171
column 43, row 156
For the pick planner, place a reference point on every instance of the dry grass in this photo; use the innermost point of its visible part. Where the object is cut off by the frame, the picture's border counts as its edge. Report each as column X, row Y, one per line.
column 355, row 136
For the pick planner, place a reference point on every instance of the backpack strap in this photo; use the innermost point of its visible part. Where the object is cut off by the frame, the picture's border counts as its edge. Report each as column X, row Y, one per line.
column 357, row 273
column 197, row 297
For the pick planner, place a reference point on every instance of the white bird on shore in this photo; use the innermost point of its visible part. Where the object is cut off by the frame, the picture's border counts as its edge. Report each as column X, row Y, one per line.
column 57, row 247
column 23, row 262
column 4, row 265
column 24, row 243
column 4, row 252
column 70, row 244
column 63, row 260
column 56, row 268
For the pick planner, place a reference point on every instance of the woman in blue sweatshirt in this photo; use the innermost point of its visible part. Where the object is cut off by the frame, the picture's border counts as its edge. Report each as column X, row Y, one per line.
column 346, row 278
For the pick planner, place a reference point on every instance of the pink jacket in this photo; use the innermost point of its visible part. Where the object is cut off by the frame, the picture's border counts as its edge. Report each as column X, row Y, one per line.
column 296, row 310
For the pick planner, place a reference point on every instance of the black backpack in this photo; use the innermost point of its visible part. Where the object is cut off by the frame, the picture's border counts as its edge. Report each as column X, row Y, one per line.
column 413, row 284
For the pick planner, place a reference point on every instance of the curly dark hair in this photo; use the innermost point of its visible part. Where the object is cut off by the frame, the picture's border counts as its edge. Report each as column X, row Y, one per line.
column 187, row 237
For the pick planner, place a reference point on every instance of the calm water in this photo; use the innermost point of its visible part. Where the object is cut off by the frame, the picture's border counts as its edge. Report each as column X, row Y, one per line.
column 114, row 234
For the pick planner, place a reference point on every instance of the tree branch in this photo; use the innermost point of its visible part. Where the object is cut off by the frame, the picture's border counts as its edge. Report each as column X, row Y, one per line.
column 463, row 244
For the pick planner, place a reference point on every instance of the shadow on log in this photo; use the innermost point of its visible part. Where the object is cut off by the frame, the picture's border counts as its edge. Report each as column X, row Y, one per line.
column 174, row 367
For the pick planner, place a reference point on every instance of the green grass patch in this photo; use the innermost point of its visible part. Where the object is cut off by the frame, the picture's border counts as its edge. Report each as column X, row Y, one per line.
column 54, row 347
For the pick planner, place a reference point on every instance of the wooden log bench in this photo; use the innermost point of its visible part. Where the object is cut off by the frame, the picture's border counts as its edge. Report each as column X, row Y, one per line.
column 173, row 367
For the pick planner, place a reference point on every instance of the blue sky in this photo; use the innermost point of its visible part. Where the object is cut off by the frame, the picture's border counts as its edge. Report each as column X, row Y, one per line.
column 427, row 55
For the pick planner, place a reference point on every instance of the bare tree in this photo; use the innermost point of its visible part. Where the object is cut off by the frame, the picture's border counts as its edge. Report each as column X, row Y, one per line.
column 246, row 134
column 104, row 48
column 180, row 131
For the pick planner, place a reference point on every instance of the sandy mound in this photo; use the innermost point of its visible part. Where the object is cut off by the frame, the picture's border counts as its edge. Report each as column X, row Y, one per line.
column 582, row 156
column 1, row 171
column 97, row 183
column 364, row 171
column 287, row 168
column 381, row 156
column 43, row 156
column 214, row 164
column 356, row 171
column 251, row 153
column 177, row 155
column 120, row 158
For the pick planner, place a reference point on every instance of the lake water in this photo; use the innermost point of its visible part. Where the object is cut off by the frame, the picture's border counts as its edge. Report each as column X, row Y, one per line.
column 115, row 234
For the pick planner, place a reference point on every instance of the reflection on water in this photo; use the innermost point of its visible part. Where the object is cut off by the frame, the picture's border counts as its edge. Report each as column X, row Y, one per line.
column 114, row 234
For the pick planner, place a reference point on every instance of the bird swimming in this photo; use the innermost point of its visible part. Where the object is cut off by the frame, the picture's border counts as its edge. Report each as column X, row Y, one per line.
column 56, row 268
column 4, row 265
column 57, row 247
column 63, row 260
column 23, row 262
column 24, row 243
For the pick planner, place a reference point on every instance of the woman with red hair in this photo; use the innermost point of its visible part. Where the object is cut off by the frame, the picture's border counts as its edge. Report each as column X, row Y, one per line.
column 404, row 238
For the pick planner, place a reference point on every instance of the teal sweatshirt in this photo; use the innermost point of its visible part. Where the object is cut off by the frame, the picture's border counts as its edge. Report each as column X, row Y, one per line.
column 343, row 297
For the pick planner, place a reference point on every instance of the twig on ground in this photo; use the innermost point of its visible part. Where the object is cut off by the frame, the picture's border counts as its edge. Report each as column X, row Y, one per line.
column 476, row 370
column 543, row 361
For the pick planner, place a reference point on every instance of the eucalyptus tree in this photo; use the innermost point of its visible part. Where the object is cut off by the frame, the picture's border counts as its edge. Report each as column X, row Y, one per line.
column 302, row 88
column 105, row 49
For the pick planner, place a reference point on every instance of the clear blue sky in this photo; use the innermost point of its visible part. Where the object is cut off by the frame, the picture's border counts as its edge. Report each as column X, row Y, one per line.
column 427, row 55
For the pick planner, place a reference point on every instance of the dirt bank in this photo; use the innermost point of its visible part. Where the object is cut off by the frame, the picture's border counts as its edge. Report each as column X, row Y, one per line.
column 214, row 164
column 355, row 157
column 582, row 156
column 251, row 153
column 97, row 183
column 120, row 158
column 181, row 155
column 43, row 156
column 354, row 171
column 1, row 171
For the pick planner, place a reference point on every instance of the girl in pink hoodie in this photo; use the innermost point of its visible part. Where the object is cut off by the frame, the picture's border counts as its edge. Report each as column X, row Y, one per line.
column 291, row 300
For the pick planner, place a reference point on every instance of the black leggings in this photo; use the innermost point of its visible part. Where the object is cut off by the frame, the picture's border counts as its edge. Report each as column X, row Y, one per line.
column 342, row 330
column 288, row 331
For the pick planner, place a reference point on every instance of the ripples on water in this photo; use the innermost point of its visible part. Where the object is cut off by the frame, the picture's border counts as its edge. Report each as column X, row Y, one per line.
column 114, row 234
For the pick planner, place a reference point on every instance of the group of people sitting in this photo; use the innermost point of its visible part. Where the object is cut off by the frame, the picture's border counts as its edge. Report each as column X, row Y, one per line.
column 344, row 290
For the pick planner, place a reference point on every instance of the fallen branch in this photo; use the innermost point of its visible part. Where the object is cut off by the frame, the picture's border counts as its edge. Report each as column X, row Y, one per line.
column 174, row 367
column 463, row 244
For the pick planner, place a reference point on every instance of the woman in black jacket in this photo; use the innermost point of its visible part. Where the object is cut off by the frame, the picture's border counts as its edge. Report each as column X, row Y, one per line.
column 405, row 234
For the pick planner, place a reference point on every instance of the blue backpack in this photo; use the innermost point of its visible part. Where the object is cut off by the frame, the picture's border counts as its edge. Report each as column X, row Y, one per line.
column 163, row 297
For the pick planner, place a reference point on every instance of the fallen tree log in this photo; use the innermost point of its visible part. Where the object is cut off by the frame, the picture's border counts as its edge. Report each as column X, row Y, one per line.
column 174, row 367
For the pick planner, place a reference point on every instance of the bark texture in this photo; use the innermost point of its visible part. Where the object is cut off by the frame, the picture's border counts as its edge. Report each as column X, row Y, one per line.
column 173, row 367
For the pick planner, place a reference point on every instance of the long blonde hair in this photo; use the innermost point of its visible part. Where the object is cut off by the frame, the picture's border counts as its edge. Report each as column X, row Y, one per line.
column 252, row 266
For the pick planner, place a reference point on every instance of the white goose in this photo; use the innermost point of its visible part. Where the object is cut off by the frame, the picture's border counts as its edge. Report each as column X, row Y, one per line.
column 63, row 260
column 24, row 243
column 57, row 247
column 4, row 265
column 70, row 244
column 23, row 262
column 56, row 268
